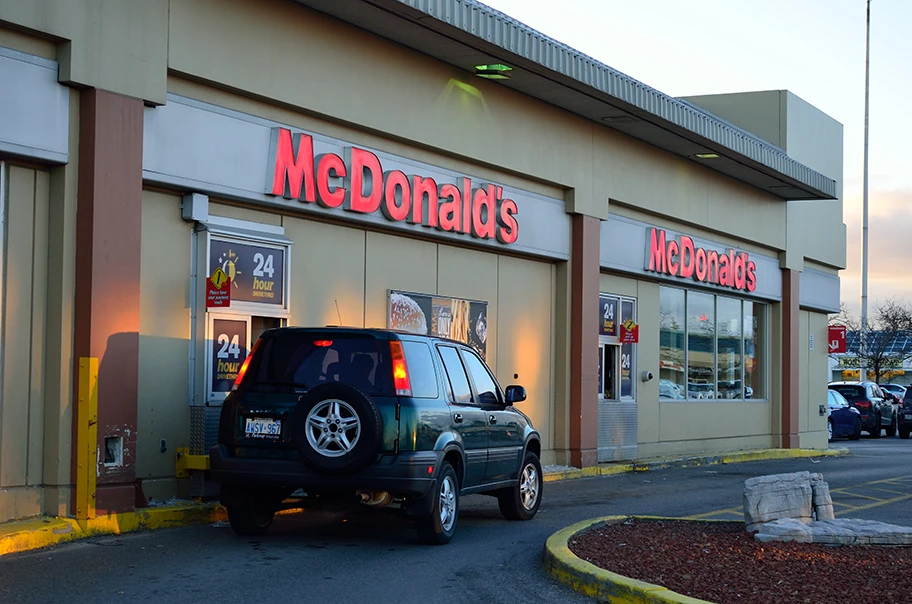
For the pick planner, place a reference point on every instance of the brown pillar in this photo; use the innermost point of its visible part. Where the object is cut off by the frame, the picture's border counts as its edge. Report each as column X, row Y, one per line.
column 790, row 347
column 108, row 228
column 584, row 290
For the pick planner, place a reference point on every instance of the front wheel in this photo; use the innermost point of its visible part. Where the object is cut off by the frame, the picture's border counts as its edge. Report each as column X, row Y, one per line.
column 904, row 433
column 521, row 502
column 439, row 527
column 252, row 517
column 891, row 431
column 829, row 430
column 874, row 432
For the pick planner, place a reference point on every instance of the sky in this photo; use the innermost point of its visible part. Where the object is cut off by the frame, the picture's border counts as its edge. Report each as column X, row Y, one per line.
column 815, row 49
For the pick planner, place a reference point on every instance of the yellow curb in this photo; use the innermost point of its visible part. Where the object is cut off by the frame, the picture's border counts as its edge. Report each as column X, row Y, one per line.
column 37, row 533
column 707, row 459
column 595, row 582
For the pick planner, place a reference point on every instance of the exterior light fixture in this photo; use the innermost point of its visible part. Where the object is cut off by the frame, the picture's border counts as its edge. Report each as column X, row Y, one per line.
column 706, row 155
column 496, row 71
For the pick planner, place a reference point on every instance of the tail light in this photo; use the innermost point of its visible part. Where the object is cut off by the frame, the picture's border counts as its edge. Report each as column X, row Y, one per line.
column 400, row 370
column 863, row 404
column 243, row 371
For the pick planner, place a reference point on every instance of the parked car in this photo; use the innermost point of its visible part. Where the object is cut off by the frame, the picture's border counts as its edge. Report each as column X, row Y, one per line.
column 875, row 410
column 668, row 389
column 842, row 418
column 371, row 417
column 895, row 389
column 904, row 417
column 700, row 391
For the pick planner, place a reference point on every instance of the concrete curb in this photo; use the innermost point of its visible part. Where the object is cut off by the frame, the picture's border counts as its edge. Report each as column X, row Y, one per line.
column 605, row 586
column 692, row 462
column 37, row 533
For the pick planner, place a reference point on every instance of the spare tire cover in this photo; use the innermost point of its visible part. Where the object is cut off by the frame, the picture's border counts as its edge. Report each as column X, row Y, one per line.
column 337, row 428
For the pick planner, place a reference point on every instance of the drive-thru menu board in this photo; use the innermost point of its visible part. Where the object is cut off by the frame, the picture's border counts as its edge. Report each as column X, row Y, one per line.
column 257, row 272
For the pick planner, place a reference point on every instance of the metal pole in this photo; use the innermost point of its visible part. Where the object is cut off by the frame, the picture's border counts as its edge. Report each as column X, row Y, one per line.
column 864, row 224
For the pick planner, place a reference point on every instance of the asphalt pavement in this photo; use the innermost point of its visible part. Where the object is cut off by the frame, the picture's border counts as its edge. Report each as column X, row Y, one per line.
column 340, row 557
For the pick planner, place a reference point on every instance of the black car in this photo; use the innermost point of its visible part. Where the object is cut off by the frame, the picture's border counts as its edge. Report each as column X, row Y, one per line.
column 376, row 418
column 904, row 416
column 875, row 410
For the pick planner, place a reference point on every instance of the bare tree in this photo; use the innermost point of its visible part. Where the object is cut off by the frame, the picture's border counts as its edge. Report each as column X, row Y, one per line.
column 889, row 339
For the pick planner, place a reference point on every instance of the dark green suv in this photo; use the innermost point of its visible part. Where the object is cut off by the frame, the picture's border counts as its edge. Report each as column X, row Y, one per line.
column 376, row 418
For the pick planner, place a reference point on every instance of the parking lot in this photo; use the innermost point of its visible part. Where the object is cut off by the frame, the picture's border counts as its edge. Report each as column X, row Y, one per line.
column 349, row 558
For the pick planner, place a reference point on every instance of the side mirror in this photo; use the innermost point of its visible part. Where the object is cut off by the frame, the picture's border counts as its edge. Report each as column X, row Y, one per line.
column 515, row 394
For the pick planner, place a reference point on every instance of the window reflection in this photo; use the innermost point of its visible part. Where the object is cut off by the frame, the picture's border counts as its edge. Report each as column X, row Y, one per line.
column 701, row 346
column 728, row 344
column 671, row 343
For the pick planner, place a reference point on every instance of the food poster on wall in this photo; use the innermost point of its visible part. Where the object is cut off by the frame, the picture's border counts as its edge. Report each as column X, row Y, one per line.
column 229, row 351
column 626, row 353
column 608, row 310
column 257, row 272
column 462, row 320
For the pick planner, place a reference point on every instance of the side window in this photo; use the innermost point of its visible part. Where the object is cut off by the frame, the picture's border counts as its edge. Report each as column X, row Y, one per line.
column 422, row 375
column 462, row 393
column 488, row 392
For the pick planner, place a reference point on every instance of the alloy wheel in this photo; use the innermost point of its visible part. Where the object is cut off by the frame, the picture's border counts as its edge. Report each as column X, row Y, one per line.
column 333, row 428
column 447, row 503
column 528, row 486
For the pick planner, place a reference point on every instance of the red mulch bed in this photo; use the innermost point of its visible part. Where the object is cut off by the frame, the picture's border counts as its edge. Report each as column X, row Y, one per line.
column 720, row 562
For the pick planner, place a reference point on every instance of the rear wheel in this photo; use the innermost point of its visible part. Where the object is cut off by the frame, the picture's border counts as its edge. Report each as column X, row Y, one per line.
column 521, row 502
column 903, row 433
column 251, row 515
column 439, row 527
column 857, row 433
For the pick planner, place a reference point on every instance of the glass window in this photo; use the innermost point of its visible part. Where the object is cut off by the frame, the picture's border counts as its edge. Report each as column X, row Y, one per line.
column 671, row 343
column 728, row 347
column 701, row 346
column 422, row 374
column 628, row 360
column 755, row 317
column 488, row 393
column 462, row 393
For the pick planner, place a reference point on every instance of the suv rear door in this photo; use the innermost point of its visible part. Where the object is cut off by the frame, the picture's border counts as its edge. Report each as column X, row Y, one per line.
column 505, row 434
column 468, row 419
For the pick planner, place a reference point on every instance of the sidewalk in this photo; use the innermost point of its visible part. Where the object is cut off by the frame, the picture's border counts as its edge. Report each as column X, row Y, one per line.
column 40, row 532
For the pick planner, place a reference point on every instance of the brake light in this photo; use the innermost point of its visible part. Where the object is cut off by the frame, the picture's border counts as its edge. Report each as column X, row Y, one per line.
column 400, row 370
column 323, row 343
column 863, row 404
column 244, row 365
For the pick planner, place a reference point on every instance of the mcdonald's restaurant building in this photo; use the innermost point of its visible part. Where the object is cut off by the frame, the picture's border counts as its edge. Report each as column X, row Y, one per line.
column 656, row 271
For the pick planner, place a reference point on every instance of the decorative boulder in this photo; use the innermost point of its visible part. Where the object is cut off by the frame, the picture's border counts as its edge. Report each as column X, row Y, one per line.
column 768, row 498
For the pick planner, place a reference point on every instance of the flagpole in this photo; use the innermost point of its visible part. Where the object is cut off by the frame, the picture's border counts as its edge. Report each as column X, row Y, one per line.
column 864, row 225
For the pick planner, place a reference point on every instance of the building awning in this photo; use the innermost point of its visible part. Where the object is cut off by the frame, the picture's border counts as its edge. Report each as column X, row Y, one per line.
column 466, row 33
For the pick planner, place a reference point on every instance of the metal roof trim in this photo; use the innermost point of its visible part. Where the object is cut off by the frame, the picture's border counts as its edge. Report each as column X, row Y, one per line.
column 505, row 32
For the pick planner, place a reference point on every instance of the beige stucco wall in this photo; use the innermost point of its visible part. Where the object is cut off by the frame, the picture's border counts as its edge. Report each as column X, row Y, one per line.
column 813, row 379
column 164, row 336
column 22, row 406
column 115, row 45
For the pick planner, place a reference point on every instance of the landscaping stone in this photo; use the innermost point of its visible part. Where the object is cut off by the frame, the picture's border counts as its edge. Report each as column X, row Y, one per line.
column 847, row 531
column 777, row 496
column 821, row 500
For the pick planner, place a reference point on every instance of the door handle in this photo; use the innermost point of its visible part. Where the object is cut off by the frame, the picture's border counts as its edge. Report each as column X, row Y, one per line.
column 457, row 417
column 492, row 419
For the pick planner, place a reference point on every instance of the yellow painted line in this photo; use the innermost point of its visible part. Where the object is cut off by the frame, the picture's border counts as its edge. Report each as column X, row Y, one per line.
column 850, row 494
column 38, row 533
column 880, row 503
column 605, row 586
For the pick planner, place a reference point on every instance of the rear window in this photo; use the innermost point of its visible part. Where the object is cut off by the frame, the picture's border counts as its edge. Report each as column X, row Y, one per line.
column 852, row 393
column 300, row 362
column 908, row 397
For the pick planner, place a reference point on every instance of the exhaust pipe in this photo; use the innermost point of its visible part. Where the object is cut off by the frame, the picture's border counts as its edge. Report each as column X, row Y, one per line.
column 376, row 499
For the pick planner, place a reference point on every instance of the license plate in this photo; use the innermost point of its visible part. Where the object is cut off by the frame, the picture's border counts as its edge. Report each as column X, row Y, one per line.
column 908, row 416
column 263, row 427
